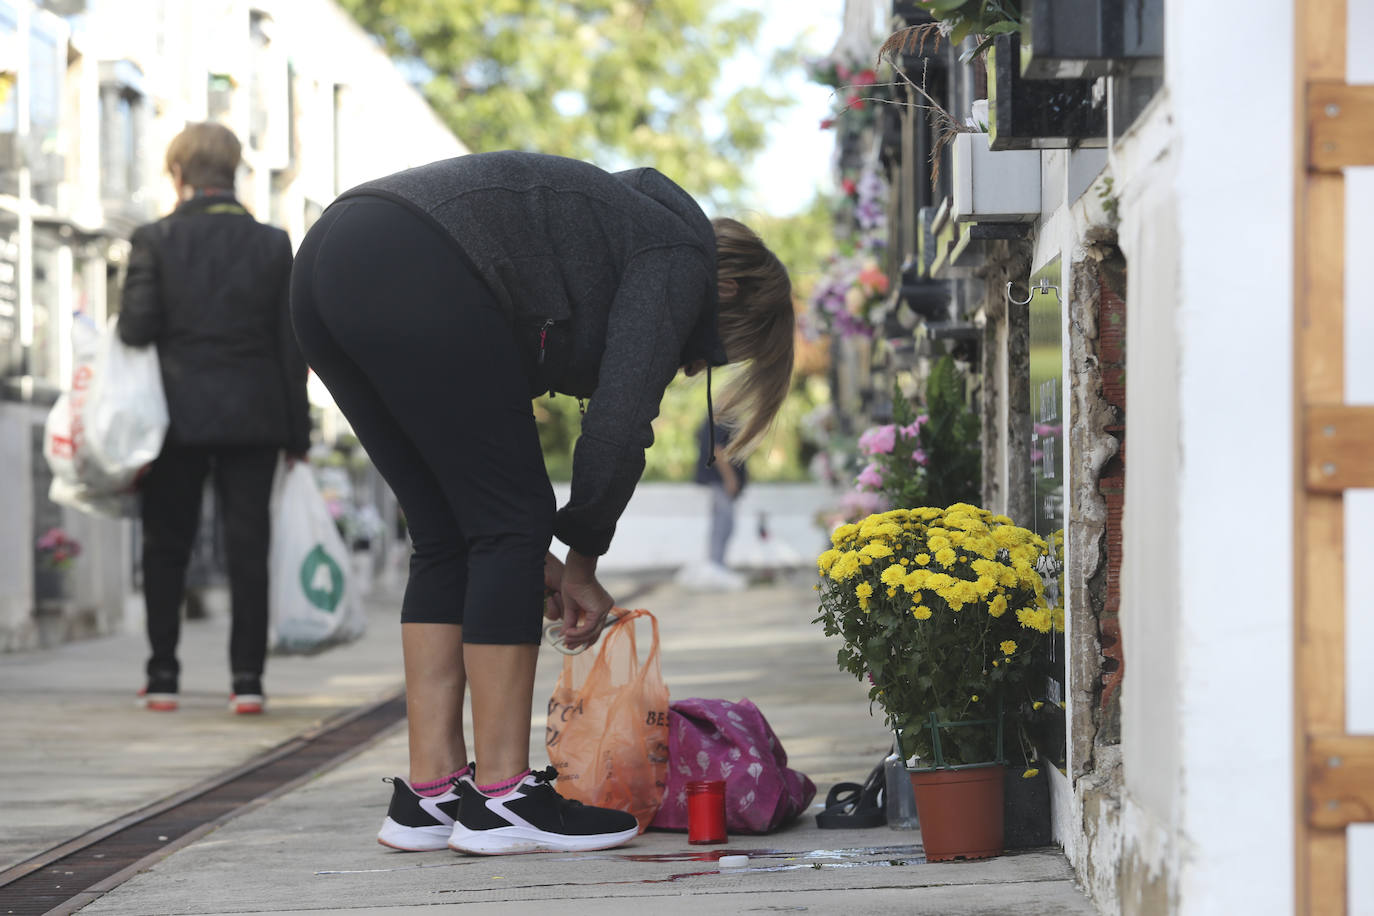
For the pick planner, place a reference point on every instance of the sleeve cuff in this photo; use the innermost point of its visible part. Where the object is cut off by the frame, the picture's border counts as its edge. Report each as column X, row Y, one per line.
column 590, row 543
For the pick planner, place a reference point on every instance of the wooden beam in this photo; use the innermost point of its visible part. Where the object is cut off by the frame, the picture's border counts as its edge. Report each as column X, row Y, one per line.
column 1340, row 781
column 1340, row 126
column 1338, row 447
column 1320, row 44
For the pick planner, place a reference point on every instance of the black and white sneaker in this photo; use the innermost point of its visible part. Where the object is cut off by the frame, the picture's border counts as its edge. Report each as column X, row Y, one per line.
column 417, row 823
column 533, row 817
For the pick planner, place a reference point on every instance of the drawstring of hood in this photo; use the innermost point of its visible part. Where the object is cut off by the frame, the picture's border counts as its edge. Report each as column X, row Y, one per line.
column 710, row 418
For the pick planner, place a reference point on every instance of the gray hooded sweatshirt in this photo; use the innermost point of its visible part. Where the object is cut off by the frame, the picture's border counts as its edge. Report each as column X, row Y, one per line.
column 610, row 284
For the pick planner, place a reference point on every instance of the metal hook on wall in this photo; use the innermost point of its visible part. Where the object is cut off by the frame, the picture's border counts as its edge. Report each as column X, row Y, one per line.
column 1043, row 287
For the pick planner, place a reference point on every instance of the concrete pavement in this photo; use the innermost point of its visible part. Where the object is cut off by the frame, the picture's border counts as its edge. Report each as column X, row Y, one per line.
column 77, row 753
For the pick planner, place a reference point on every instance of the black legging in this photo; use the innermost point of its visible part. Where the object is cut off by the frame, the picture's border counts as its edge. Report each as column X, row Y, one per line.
column 423, row 363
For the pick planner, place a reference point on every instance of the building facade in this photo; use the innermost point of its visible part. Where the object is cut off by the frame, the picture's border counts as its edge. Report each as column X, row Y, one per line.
column 1095, row 216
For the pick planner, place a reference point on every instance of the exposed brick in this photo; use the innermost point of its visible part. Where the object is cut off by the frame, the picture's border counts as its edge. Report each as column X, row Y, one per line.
column 1111, row 353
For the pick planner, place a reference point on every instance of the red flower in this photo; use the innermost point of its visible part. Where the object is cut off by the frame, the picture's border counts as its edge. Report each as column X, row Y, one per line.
column 855, row 102
column 849, row 186
column 865, row 78
column 827, row 123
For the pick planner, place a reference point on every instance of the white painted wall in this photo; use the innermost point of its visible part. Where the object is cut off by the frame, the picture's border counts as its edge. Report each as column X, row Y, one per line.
column 1151, row 591
column 1234, row 115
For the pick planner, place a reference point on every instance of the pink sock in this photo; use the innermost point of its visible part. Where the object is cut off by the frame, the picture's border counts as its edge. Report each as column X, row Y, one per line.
column 439, row 786
column 501, row 788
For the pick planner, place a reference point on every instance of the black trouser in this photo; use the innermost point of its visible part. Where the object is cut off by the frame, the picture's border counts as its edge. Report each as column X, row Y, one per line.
column 171, row 516
column 423, row 363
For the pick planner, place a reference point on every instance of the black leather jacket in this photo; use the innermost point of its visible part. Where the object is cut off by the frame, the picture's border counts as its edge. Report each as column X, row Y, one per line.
column 208, row 284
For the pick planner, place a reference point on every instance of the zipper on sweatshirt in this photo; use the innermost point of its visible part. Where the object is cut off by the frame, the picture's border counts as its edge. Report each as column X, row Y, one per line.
column 544, row 338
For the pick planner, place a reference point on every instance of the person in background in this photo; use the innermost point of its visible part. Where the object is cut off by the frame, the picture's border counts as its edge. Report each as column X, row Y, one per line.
column 726, row 480
column 209, row 286
column 434, row 304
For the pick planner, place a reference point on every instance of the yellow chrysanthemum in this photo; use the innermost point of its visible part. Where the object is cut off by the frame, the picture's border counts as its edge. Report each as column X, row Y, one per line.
column 998, row 607
column 1037, row 704
column 975, row 698
column 827, row 560
column 876, row 549
column 863, row 590
column 915, row 580
column 921, row 612
column 922, row 558
column 1031, row 773
column 843, row 534
column 937, row 543
column 946, row 557
column 893, row 574
column 1033, row 619
column 1008, row 647
column 845, row 567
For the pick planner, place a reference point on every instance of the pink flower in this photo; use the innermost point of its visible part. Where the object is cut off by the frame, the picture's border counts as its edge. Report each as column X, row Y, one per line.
column 865, row 78
column 919, row 456
column 913, row 429
column 880, row 440
column 873, row 278
column 871, row 477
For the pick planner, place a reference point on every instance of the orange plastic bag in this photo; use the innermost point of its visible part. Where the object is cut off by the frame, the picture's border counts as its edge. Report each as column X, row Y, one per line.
column 607, row 727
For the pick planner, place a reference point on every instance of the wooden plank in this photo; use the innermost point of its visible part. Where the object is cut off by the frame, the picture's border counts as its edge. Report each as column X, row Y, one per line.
column 1321, row 291
column 1319, row 531
column 1326, row 863
column 1340, row 781
column 1340, row 126
column 1320, row 632
column 1338, row 447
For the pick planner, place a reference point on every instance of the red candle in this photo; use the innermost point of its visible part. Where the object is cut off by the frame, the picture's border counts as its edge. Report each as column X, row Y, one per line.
column 706, row 812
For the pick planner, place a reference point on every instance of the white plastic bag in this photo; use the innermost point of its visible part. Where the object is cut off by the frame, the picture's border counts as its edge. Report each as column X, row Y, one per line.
column 313, row 603
column 106, row 429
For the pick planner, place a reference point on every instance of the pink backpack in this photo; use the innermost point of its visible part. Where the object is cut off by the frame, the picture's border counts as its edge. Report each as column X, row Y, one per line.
column 717, row 739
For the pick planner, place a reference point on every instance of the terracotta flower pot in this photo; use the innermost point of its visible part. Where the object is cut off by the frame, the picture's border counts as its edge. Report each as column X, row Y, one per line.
column 960, row 812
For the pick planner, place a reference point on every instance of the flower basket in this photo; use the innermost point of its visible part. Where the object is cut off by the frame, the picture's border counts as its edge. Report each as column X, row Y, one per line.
column 961, row 807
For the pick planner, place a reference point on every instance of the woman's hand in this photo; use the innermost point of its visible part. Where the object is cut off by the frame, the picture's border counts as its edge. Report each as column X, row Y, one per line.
column 585, row 602
column 553, row 586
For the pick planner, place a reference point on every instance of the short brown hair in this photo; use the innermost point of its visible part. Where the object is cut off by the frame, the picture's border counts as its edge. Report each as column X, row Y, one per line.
column 757, row 326
column 207, row 154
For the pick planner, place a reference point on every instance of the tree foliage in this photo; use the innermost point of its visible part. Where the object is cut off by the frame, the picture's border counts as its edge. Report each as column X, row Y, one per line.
column 618, row 82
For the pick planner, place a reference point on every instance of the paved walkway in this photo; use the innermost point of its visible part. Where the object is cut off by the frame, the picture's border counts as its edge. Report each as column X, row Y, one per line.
column 76, row 753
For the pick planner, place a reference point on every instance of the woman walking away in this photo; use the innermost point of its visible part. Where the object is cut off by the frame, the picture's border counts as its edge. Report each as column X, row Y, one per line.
column 208, row 284
column 434, row 304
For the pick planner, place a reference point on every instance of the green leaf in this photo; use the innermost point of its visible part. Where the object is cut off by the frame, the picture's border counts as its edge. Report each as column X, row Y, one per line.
column 946, row 6
column 961, row 31
column 1002, row 28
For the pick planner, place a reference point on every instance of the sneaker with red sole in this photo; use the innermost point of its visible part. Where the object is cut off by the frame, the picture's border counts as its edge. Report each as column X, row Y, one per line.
column 160, row 693
column 247, row 698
